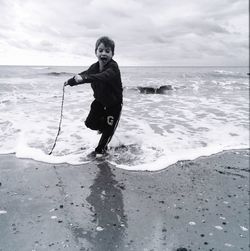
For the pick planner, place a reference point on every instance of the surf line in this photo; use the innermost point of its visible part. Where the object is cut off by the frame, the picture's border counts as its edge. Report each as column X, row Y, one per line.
column 60, row 122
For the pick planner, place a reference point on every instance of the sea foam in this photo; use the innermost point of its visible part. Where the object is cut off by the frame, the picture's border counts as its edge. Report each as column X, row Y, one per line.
column 201, row 114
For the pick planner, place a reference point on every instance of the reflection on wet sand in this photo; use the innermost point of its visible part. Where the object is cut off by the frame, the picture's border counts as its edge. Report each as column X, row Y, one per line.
column 106, row 205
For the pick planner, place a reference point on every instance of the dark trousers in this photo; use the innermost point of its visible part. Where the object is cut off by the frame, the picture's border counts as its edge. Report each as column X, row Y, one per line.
column 104, row 119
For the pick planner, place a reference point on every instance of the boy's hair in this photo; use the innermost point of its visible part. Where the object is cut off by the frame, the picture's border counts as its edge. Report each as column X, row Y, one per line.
column 107, row 43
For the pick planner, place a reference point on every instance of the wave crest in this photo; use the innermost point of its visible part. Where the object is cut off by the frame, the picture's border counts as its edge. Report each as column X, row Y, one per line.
column 226, row 74
column 54, row 73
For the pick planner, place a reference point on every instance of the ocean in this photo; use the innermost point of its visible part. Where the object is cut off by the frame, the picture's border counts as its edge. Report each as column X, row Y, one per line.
column 169, row 114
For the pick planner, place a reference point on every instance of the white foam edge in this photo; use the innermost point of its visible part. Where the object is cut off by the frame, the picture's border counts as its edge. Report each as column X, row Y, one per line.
column 37, row 154
column 164, row 162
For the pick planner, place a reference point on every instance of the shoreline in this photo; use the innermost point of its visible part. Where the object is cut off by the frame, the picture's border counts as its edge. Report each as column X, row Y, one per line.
column 201, row 204
column 132, row 167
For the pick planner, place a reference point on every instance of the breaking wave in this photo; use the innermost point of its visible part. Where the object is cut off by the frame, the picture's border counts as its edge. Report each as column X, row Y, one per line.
column 226, row 74
column 56, row 74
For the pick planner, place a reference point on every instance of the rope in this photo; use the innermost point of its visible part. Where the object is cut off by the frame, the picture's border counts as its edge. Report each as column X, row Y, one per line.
column 60, row 122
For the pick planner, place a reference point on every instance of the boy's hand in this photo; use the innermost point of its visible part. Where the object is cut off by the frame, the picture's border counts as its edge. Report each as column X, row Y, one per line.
column 70, row 82
column 78, row 78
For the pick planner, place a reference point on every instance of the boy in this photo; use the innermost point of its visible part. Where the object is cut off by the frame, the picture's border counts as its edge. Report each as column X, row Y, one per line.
column 105, row 80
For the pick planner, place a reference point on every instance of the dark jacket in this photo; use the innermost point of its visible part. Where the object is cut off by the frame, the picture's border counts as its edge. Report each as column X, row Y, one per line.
column 107, row 85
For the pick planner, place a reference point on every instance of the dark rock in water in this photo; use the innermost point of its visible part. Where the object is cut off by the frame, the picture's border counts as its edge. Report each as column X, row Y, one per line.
column 181, row 249
column 154, row 90
column 146, row 90
column 165, row 88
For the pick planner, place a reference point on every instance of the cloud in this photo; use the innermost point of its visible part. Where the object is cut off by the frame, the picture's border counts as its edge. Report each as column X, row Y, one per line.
column 146, row 31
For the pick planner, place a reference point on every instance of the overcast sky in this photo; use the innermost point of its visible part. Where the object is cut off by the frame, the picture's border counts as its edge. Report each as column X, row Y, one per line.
column 146, row 32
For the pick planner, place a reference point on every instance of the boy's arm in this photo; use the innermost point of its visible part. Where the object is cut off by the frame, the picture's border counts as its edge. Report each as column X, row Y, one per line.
column 76, row 80
column 88, row 77
column 105, row 76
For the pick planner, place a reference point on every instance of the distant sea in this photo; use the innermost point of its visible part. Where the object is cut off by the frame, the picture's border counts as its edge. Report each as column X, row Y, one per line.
column 169, row 114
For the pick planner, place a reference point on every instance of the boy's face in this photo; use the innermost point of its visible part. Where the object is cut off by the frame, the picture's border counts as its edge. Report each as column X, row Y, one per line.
column 104, row 54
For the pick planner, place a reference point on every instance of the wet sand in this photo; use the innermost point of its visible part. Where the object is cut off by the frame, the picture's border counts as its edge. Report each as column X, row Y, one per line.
column 192, row 205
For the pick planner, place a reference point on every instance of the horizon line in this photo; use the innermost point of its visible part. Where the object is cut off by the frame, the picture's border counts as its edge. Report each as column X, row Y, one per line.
column 37, row 65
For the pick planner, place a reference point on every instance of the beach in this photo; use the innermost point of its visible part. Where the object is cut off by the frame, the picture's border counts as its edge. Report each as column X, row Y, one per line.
column 192, row 205
column 170, row 181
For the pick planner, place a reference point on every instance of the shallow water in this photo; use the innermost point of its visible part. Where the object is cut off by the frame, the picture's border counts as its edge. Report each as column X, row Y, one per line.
column 201, row 111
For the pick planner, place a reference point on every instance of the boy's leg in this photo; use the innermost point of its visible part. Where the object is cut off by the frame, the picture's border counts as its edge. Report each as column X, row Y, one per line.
column 96, row 117
column 112, row 120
